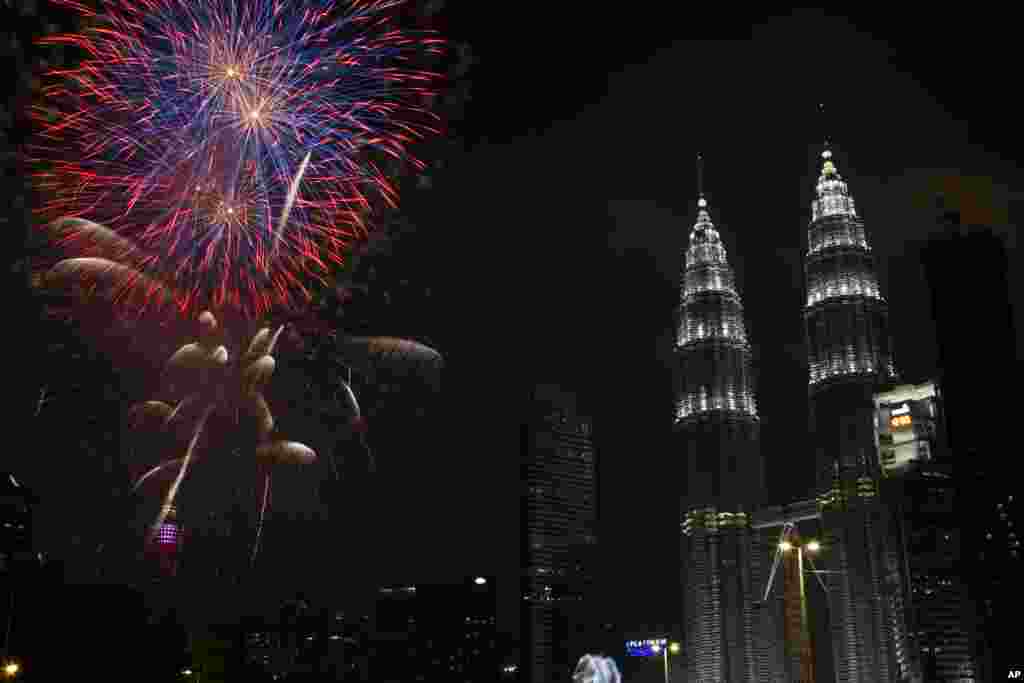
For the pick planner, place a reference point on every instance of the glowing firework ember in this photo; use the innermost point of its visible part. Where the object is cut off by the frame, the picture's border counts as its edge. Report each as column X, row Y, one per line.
column 232, row 143
column 203, row 375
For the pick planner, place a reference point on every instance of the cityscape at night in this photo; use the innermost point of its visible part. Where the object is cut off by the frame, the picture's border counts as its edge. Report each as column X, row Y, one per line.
column 425, row 340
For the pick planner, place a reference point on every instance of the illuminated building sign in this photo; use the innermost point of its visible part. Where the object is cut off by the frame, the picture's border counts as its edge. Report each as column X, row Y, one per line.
column 900, row 421
column 906, row 417
column 168, row 534
column 645, row 648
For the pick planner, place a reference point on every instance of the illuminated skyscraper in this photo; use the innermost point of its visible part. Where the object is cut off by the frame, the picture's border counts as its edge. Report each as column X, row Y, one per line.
column 850, row 356
column 559, row 518
column 717, row 432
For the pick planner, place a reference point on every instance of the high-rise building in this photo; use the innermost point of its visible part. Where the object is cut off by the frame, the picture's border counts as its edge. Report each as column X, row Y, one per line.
column 919, row 485
column 559, row 519
column 850, row 356
column 717, row 431
column 980, row 383
column 967, row 273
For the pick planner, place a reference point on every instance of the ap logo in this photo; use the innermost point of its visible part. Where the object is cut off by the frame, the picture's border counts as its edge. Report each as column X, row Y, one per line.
column 1015, row 674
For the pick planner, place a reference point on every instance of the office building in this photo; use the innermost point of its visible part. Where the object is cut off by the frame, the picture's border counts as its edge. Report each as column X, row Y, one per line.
column 559, row 519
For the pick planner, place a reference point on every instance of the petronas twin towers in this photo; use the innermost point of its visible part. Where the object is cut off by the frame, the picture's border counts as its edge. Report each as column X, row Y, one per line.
column 726, row 524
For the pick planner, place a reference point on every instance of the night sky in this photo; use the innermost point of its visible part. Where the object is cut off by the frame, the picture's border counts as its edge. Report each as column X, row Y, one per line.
column 552, row 239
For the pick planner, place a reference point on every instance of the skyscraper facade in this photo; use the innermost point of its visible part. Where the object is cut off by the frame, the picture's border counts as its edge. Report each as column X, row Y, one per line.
column 559, row 519
column 975, row 400
column 717, row 429
column 920, row 487
column 850, row 356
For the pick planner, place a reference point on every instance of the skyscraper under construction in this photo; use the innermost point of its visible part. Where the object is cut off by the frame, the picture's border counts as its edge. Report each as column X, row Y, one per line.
column 717, row 428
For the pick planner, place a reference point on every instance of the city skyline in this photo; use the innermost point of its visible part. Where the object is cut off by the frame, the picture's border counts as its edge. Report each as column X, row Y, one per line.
column 533, row 221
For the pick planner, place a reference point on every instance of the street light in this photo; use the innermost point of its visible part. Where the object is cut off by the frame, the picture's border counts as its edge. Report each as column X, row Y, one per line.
column 11, row 669
column 672, row 647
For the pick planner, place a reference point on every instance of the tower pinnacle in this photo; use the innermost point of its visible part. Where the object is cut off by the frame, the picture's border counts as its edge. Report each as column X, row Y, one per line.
column 828, row 167
column 701, row 202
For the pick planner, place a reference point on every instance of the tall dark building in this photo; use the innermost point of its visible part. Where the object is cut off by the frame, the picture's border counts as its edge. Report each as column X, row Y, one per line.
column 717, row 431
column 920, row 487
column 559, row 519
column 966, row 270
column 850, row 356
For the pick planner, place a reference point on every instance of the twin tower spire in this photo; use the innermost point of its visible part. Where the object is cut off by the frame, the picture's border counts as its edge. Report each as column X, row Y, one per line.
column 710, row 315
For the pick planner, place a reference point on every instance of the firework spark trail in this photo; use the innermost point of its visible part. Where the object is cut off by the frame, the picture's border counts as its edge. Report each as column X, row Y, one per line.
column 165, row 509
column 189, row 127
column 292, row 193
column 259, row 524
column 154, row 471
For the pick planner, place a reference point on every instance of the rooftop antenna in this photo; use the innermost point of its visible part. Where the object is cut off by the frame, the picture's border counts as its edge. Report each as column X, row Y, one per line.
column 827, row 153
column 701, row 202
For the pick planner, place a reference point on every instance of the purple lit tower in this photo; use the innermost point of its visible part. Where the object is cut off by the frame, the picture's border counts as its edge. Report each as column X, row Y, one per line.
column 850, row 358
column 166, row 547
column 717, row 432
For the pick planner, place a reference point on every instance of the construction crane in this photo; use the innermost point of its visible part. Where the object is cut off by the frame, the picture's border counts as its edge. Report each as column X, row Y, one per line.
column 790, row 554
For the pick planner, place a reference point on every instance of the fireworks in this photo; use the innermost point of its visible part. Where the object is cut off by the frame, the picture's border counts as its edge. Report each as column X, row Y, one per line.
column 236, row 145
column 204, row 378
column 203, row 375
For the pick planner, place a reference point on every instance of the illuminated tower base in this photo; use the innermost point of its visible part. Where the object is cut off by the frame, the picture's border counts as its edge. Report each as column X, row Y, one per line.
column 720, row 597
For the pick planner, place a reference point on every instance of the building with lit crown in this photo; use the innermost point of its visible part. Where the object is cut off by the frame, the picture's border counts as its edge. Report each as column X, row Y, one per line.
column 850, row 356
column 919, row 484
column 717, row 431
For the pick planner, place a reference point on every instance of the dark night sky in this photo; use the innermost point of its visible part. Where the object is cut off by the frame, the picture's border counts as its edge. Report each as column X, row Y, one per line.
column 554, row 240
